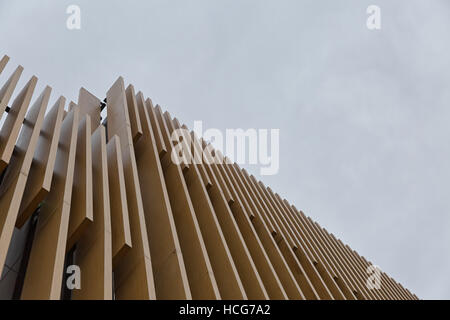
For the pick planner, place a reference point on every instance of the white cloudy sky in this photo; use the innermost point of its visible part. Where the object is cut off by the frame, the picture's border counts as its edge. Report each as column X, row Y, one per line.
column 363, row 114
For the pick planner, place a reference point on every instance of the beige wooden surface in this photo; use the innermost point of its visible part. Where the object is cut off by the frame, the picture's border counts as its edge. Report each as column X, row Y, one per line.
column 227, row 278
column 89, row 105
column 170, row 276
column 94, row 249
column 43, row 279
column 141, row 226
column 245, row 265
column 3, row 63
column 120, row 221
column 135, row 121
column 200, row 274
column 7, row 89
column 41, row 171
column 160, row 145
column 14, row 180
column 13, row 122
column 81, row 210
column 271, row 280
column 133, row 275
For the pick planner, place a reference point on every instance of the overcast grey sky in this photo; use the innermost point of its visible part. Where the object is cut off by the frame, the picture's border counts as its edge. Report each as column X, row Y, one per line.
column 363, row 114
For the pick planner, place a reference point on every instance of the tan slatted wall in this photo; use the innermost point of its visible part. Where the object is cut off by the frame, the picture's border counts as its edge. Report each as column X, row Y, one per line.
column 108, row 198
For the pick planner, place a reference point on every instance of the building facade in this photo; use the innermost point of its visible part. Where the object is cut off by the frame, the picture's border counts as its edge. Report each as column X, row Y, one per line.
column 94, row 208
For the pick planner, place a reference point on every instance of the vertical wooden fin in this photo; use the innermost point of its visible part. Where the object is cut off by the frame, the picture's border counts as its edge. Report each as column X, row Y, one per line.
column 43, row 279
column 41, row 171
column 120, row 222
column 251, row 280
column 3, row 63
column 13, row 183
column 135, row 119
column 227, row 278
column 133, row 275
column 13, row 122
column 198, row 266
column 171, row 280
column 81, row 210
column 162, row 149
column 94, row 249
column 8, row 88
column 90, row 105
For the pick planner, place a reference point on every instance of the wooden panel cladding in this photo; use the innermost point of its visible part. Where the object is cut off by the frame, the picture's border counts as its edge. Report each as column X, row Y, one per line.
column 3, row 63
column 8, row 88
column 90, row 105
column 13, row 122
column 160, row 145
column 133, row 274
column 249, row 275
column 135, row 121
column 198, row 266
column 106, row 196
column 171, row 281
column 41, row 171
column 43, row 279
column 94, row 249
column 15, row 176
column 120, row 223
column 197, row 181
column 81, row 210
